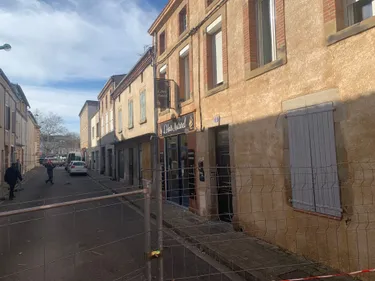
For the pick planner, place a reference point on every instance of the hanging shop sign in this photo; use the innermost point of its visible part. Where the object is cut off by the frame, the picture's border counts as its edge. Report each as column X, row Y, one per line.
column 162, row 93
column 182, row 124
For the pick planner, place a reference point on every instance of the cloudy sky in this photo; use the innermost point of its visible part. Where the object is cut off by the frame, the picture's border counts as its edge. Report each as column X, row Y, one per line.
column 63, row 51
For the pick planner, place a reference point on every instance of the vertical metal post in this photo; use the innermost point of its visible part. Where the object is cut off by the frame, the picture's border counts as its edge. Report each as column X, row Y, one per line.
column 157, row 187
column 147, row 210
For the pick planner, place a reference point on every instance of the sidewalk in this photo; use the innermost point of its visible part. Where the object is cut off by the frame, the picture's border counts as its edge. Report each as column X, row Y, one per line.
column 252, row 258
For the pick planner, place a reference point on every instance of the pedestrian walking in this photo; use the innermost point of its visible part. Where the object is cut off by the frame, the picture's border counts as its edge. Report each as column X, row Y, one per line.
column 50, row 167
column 11, row 176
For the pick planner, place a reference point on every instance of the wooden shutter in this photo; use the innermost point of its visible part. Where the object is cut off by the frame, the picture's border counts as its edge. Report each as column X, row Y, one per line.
column 130, row 114
column 143, row 106
column 300, row 161
column 323, row 158
column 218, row 61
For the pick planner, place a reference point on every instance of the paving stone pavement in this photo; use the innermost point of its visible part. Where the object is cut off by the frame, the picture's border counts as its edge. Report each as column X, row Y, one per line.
column 251, row 258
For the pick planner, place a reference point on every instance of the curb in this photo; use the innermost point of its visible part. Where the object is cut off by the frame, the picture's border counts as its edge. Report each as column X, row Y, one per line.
column 242, row 272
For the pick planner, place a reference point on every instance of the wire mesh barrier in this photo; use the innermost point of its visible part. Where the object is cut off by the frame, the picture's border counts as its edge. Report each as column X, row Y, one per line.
column 269, row 223
column 95, row 238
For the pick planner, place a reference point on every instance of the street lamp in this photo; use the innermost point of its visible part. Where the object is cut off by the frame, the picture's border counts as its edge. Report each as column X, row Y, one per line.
column 6, row 47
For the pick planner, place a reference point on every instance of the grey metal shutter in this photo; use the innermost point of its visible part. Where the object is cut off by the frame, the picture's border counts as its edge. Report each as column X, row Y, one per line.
column 300, row 160
column 323, row 157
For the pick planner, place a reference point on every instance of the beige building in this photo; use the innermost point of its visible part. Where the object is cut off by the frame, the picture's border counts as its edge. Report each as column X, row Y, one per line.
column 87, row 112
column 95, row 140
column 32, row 143
column 107, row 134
column 134, row 126
column 286, row 133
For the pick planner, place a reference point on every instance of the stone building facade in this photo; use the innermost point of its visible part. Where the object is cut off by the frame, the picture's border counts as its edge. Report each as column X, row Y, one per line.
column 134, row 115
column 281, row 95
column 87, row 112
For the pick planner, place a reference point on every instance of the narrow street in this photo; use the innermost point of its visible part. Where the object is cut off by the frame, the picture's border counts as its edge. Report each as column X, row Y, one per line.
column 102, row 240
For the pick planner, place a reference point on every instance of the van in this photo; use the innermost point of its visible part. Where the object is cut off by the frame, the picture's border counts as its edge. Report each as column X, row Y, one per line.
column 73, row 156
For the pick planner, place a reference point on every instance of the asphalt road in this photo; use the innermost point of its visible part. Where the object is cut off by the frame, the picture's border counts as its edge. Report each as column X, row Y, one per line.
column 93, row 241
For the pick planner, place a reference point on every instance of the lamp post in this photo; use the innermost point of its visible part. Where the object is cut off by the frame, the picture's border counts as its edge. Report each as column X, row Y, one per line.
column 6, row 47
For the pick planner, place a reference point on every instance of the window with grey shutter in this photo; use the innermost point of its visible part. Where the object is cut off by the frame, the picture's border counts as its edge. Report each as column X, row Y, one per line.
column 142, row 101
column 130, row 114
column 315, row 185
column 13, row 122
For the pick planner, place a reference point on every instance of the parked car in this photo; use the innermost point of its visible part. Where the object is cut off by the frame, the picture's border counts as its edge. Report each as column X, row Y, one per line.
column 77, row 167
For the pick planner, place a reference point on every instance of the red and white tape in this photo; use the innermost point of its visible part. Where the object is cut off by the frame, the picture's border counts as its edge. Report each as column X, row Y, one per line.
column 332, row 275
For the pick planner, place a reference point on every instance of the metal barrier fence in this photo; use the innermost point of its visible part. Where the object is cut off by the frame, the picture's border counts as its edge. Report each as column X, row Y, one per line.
column 97, row 238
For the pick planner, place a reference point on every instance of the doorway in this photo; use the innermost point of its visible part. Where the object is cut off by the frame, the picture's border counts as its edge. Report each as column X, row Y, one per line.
column 131, row 166
column 121, row 167
column 223, row 174
column 110, row 162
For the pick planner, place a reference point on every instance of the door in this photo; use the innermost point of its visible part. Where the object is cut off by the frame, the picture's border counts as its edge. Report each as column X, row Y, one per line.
column 110, row 164
column 131, row 166
column 173, row 186
column 223, row 174
column 140, row 166
column 184, row 170
column 121, row 167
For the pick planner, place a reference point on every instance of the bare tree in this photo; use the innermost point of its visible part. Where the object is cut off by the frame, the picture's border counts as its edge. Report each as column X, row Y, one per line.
column 51, row 125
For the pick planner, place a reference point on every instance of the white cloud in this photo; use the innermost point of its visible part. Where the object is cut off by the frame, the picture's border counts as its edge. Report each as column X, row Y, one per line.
column 92, row 40
column 69, row 41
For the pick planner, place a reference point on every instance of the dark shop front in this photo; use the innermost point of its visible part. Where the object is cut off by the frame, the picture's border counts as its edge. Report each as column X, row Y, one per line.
column 177, row 146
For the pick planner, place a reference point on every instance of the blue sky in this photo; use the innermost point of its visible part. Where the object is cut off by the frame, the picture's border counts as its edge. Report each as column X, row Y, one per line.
column 63, row 51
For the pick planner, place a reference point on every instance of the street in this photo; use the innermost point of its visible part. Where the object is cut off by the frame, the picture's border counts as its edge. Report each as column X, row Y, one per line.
column 102, row 240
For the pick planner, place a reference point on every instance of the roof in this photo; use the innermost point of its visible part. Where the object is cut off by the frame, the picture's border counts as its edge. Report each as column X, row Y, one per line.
column 167, row 8
column 19, row 93
column 2, row 74
column 116, row 79
column 32, row 117
column 88, row 102
column 136, row 70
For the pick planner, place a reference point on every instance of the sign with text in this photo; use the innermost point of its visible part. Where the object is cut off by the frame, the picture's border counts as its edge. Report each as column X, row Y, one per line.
column 180, row 125
column 162, row 93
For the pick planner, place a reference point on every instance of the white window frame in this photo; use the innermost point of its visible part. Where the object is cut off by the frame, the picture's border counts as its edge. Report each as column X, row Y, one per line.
column 259, row 24
column 130, row 114
column 213, row 30
column 349, row 12
column 119, row 121
column 163, row 69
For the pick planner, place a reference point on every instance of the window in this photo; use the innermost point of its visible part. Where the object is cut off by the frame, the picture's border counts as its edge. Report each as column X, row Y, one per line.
column 14, row 122
column 97, row 130
column 358, row 10
column 162, row 44
column 215, row 53
column 142, row 102
column 111, row 121
column 266, row 31
column 92, row 132
column 7, row 118
column 315, row 185
column 119, row 121
column 130, row 114
column 106, row 123
column 184, row 75
column 182, row 18
column 103, row 126
column 142, row 77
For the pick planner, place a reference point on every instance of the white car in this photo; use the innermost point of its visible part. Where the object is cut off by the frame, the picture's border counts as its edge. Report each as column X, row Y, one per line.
column 77, row 167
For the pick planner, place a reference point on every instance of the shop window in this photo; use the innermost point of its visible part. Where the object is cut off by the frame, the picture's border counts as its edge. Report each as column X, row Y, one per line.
column 358, row 10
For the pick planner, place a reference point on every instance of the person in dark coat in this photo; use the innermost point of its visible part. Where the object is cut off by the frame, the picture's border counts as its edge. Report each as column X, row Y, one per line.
column 50, row 168
column 11, row 176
